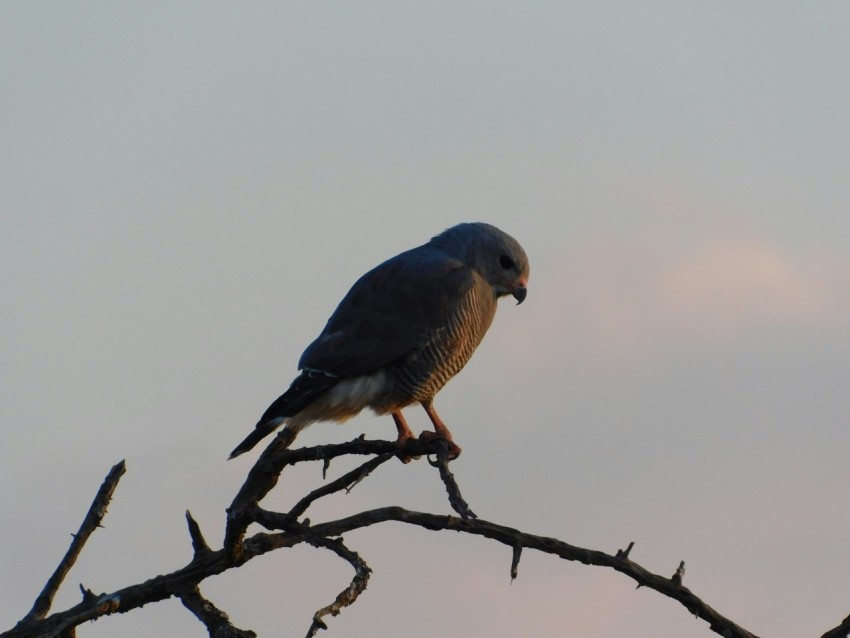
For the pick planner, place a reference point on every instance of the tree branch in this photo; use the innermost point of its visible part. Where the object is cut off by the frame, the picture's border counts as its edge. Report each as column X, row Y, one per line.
column 216, row 621
column 841, row 631
column 288, row 529
column 514, row 538
column 348, row 595
column 90, row 523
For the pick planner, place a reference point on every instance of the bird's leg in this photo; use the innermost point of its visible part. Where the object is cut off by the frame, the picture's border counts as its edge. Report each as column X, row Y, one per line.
column 440, row 430
column 404, row 431
column 404, row 434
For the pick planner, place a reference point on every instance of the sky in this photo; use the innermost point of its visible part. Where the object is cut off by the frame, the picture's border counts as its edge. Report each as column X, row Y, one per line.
column 187, row 190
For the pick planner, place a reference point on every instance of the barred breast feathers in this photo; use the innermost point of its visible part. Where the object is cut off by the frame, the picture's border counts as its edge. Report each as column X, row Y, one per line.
column 424, row 372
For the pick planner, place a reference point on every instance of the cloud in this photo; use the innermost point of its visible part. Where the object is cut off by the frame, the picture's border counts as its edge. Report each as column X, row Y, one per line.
column 615, row 298
column 725, row 287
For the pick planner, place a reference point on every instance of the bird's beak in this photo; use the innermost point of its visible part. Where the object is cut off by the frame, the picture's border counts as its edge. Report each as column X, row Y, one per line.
column 520, row 291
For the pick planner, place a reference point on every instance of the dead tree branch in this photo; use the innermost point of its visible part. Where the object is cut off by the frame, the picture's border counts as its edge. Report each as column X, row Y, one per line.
column 216, row 621
column 290, row 528
column 90, row 523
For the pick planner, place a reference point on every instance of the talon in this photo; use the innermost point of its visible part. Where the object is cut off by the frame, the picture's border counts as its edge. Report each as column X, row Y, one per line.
column 401, row 444
column 453, row 449
column 406, row 458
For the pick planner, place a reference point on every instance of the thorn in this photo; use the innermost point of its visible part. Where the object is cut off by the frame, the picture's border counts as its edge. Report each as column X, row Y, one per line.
column 326, row 463
column 88, row 594
column 199, row 544
column 623, row 554
column 680, row 573
column 515, row 561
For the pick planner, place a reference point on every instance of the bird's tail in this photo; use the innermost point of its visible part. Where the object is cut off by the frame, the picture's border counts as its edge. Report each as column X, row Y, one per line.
column 263, row 429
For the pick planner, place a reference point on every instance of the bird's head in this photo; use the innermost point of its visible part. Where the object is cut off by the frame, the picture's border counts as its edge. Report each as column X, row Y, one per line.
column 492, row 253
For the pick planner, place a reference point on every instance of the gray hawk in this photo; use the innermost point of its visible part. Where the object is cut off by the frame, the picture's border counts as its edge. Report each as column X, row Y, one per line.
column 403, row 330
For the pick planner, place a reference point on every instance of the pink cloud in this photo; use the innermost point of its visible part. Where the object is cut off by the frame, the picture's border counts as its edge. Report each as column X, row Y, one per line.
column 725, row 287
column 618, row 298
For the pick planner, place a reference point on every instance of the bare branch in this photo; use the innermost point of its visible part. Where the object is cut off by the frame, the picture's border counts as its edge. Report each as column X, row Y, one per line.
column 199, row 543
column 841, row 631
column 90, row 523
column 624, row 553
column 455, row 499
column 515, row 538
column 245, row 509
column 517, row 553
column 216, row 621
column 265, row 473
column 345, row 482
column 680, row 573
column 348, row 595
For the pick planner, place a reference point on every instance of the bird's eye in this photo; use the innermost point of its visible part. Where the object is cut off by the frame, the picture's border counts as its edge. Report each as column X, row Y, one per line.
column 506, row 262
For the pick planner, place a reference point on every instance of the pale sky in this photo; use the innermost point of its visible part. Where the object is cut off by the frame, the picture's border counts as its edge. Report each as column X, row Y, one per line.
column 187, row 190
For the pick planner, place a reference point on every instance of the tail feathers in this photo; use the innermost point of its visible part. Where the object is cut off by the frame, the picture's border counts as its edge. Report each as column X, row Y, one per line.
column 306, row 388
column 263, row 429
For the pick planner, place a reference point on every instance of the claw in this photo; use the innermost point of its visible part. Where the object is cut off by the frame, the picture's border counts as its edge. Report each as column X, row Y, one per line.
column 452, row 449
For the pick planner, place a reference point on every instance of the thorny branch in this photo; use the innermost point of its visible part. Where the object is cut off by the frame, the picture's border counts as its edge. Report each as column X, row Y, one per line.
column 287, row 529
column 90, row 523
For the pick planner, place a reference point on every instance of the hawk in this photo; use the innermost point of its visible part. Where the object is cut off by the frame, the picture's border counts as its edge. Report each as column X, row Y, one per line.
column 403, row 330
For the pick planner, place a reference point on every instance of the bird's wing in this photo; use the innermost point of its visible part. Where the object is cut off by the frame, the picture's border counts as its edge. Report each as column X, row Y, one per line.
column 307, row 387
column 391, row 311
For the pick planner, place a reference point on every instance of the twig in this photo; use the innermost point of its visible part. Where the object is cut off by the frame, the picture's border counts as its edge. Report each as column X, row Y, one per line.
column 283, row 521
column 455, row 499
column 216, row 621
column 90, row 523
column 348, row 595
column 344, row 482
column 199, row 543
column 623, row 554
column 515, row 556
column 677, row 577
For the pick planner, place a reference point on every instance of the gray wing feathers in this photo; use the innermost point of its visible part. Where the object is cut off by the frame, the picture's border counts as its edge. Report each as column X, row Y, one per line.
column 390, row 312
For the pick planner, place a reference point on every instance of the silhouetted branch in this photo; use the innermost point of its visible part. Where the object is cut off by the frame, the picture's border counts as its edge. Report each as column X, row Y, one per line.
column 455, row 499
column 287, row 529
column 216, row 621
column 90, row 523
column 514, row 538
column 199, row 543
column 348, row 595
column 841, row 631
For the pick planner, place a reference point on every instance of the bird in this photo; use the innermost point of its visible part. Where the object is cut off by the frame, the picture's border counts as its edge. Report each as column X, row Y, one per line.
column 402, row 331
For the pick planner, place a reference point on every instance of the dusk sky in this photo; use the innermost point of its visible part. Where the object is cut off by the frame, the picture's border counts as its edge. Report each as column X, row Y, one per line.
column 188, row 189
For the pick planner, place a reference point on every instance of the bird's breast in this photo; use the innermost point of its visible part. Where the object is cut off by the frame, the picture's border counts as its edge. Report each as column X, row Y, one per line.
column 445, row 351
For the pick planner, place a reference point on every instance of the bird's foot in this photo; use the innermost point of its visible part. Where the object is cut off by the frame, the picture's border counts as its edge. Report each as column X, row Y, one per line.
column 453, row 449
column 401, row 443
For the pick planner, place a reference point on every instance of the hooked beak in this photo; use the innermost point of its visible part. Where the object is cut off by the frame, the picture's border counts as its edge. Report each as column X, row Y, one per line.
column 520, row 291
